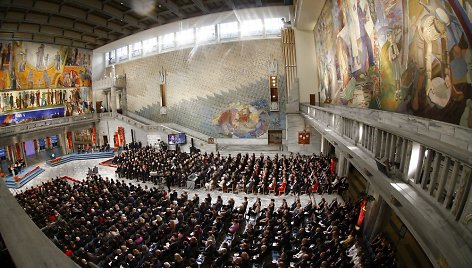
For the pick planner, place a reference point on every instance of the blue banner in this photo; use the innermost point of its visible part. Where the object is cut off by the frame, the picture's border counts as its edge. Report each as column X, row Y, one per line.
column 30, row 116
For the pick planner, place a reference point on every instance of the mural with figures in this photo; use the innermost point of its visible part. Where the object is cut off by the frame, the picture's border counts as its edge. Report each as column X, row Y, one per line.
column 244, row 120
column 220, row 90
column 38, row 80
column 406, row 56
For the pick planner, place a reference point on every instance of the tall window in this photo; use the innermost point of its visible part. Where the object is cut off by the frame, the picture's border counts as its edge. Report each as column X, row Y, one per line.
column 273, row 26
column 122, row 53
column 167, row 41
column 228, row 30
column 136, row 49
column 150, row 45
column 185, row 37
column 206, row 33
column 251, row 27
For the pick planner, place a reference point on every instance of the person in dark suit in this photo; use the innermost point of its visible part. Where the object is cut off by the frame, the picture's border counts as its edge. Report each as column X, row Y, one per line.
column 168, row 180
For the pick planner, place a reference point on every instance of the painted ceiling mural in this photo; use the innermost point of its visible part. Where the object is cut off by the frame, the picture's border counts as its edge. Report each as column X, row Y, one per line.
column 407, row 56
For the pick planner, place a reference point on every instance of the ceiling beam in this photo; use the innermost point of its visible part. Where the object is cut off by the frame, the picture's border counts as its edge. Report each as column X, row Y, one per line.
column 230, row 4
column 108, row 10
column 169, row 4
column 201, row 6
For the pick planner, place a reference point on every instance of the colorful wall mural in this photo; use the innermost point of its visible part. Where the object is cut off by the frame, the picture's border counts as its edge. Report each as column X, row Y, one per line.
column 407, row 56
column 37, row 76
column 244, row 120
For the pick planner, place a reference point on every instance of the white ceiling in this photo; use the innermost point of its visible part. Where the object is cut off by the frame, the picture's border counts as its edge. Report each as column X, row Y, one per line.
column 307, row 13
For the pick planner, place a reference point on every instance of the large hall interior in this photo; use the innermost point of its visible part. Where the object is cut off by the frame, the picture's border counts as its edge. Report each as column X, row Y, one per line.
column 235, row 133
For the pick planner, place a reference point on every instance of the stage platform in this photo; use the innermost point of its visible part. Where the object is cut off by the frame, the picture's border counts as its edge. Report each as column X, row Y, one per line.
column 75, row 156
column 18, row 181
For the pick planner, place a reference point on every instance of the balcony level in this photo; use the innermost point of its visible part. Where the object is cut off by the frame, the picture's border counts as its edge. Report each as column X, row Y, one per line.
column 420, row 167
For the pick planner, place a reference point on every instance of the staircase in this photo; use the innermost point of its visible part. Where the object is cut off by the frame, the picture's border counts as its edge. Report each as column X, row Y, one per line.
column 23, row 178
column 74, row 156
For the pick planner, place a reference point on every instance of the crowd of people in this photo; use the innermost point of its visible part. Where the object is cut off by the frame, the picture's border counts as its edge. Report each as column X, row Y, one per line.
column 88, row 148
column 107, row 223
column 296, row 174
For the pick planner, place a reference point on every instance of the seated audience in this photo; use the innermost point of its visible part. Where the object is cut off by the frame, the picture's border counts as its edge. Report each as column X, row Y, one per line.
column 108, row 223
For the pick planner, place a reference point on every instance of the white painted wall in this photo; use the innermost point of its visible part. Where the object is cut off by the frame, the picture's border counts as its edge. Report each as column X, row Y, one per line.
column 98, row 66
column 306, row 64
column 296, row 123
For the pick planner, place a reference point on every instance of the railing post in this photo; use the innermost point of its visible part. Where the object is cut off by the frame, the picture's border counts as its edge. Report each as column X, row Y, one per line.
column 462, row 192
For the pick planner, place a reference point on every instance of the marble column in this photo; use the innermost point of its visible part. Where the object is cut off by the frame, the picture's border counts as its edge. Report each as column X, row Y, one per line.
column 113, row 92
column 61, row 138
column 324, row 146
column 340, row 166
column 23, row 153
column 381, row 217
column 113, row 100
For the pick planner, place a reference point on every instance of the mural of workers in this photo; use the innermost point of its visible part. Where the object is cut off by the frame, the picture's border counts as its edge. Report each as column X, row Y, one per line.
column 407, row 56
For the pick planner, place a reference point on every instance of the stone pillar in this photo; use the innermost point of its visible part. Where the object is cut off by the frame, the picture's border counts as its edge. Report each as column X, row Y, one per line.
column 12, row 157
column 23, row 153
column 113, row 92
column 324, row 145
column 381, row 217
column 340, row 167
column 62, row 140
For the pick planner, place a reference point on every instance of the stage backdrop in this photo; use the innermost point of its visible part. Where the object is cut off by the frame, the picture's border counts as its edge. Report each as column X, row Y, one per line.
column 406, row 56
column 221, row 90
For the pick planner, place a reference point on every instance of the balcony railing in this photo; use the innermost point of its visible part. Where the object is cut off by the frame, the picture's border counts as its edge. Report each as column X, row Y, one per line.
column 438, row 168
column 106, row 83
column 44, row 124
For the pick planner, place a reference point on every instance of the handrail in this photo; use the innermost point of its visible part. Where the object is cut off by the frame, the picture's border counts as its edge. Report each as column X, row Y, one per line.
column 156, row 126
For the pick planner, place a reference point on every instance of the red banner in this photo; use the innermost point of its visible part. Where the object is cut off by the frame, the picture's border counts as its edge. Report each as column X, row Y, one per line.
column 121, row 136
column 94, row 135
column 362, row 212
column 69, row 140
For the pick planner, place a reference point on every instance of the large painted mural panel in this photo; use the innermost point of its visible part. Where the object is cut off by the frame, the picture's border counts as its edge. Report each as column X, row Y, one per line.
column 26, row 65
column 37, row 80
column 405, row 56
